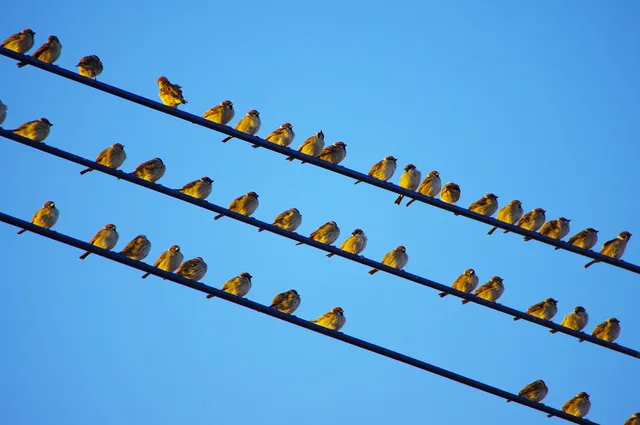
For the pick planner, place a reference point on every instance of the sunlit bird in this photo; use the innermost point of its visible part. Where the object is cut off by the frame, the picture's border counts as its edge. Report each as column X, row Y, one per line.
column 112, row 157
column 249, row 124
column 613, row 248
column 490, row 291
column 221, row 114
column 239, row 285
column 46, row 217
column 20, row 42
column 90, row 66
column 282, row 136
column 246, row 204
column 544, row 310
column 327, row 233
column 466, row 282
column 396, row 258
column 286, row 302
column 168, row 261
column 535, row 391
column 510, row 213
column 49, row 52
column 577, row 406
column 37, row 130
column 355, row 244
column 409, row 180
column 383, row 170
column 312, row 146
column 170, row 94
column 586, row 238
column 576, row 320
column 106, row 238
column 199, row 189
column 333, row 319
column 289, row 220
column 138, row 248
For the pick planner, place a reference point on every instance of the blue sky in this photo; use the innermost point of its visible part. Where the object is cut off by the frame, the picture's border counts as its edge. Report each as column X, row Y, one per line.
column 536, row 101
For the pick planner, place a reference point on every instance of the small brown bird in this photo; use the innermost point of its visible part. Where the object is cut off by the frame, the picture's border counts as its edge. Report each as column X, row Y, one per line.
column 487, row 205
column 249, row 124
column 544, row 310
column 170, row 94
column 312, row 146
column 430, row 186
column 466, row 282
column 634, row 419
column 327, row 233
column 334, row 154
column 396, row 258
column 577, row 406
column 383, row 170
column 193, row 269
column 282, row 136
column 533, row 220
column 510, row 213
column 246, row 204
column 555, row 229
column 168, row 260
column 334, row 319
column 613, row 248
column 286, row 302
column 112, row 157
column 49, row 52
column 105, row 238
column 575, row 320
column 289, row 220
column 535, row 391
column 20, row 42
column 450, row 193
column 238, row 286
column 90, row 66
column 355, row 244
column 137, row 249
column 199, row 189
column 221, row 114
column 37, row 130
column 45, row 217
column 151, row 170
column 609, row 330
column 490, row 291
column 409, row 180
column 586, row 238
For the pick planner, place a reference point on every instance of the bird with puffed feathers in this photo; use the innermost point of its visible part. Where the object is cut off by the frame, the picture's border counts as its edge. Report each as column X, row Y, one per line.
column 20, row 42
column 355, row 244
column 170, row 94
column 221, row 114
column 282, row 136
column 409, row 180
column 466, row 282
column 510, row 213
column 106, row 238
column 289, row 220
column 239, row 285
column 112, row 157
column 46, row 217
column 286, row 302
column 199, row 189
column 396, row 258
column 168, row 261
column 246, row 204
column 249, row 124
column 49, row 52
column 333, row 319
column 37, row 130
column 327, row 233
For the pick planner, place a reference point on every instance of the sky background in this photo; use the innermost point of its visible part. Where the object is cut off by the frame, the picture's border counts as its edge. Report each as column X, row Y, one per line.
column 536, row 101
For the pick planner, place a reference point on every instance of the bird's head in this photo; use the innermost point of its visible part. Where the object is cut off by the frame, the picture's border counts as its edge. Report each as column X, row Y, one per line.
column 46, row 121
column 206, row 179
column 469, row 272
column 110, row 226
column 118, row 145
column 338, row 311
column 253, row 195
column 174, row 248
column 50, row 204
column 246, row 275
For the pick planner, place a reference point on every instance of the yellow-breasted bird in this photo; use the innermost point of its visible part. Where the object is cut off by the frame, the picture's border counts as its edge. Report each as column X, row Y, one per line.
column 333, row 319
column 613, row 248
column 106, row 238
column 535, row 391
column 450, row 193
column 289, row 220
column 312, row 146
column 334, row 153
column 49, row 52
column 556, row 229
column 577, row 406
column 466, row 282
column 20, row 42
column 199, row 189
column 609, row 330
column 249, row 124
column 430, row 186
column 544, row 310
column 586, row 238
column 283, row 136
column 112, row 157
column 151, row 170
column 170, row 94
column 634, row 419
column 3, row 112
column 490, row 291
column 487, row 205
column 90, row 66
column 575, row 320
column 327, row 233
column 409, row 180
column 396, row 258
column 383, row 170
column 239, row 285
column 193, row 269
column 37, row 130
column 246, row 204
column 533, row 220
column 168, row 261
column 510, row 213
column 45, row 217
column 286, row 302
column 138, row 248
column 355, row 244
column 221, row 114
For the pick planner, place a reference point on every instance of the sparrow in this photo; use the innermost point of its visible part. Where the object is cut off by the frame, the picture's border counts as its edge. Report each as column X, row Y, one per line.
column 239, row 285
column 487, row 205
column 137, row 249
column 634, row 419
column 37, row 130
column 586, row 238
column 490, row 291
column 334, row 154
column 396, row 258
column 613, row 248
column 20, row 42
column 327, row 233
column 575, row 320
column 430, row 186
column 249, row 124
column 170, row 94
column 333, row 319
column 49, row 52
column 245, row 205
column 283, row 136
column 533, row 220
column 535, row 391
column 168, row 260
column 112, row 157
column 221, row 114
column 3, row 112
column 544, row 310
column 450, row 193
column 556, row 229
column 466, row 282
column 409, row 180
column 151, row 170
column 289, row 220
column 355, row 244
column 609, row 330
column 312, row 146
column 510, row 213
column 105, row 238
column 383, row 170
column 45, row 217
column 286, row 302
column 90, row 66
column 193, row 269
column 578, row 406
column 199, row 189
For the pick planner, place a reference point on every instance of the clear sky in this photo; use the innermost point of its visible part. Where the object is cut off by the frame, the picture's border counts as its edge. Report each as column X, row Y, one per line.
column 536, row 101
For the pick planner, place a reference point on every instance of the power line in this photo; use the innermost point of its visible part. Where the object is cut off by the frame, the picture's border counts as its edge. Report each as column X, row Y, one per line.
column 313, row 160
column 308, row 241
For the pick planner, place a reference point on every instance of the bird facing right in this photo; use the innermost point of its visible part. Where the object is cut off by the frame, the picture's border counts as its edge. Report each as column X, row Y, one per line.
column 355, row 244
column 430, row 186
column 20, row 42
column 555, row 229
column 49, row 52
column 239, row 285
column 246, row 204
column 282, row 136
column 170, row 94
column 249, row 124
column 312, row 146
column 544, row 310
column 466, row 282
column 409, row 180
column 193, row 269
column 533, row 220
column 221, row 114
column 168, row 261
column 334, row 154
column 333, row 319
column 487, row 205
column 45, row 217
column 634, row 419
column 396, row 258
column 510, row 213
column 289, row 220
column 106, row 238
column 286, row 302
column 90, row 66
column 609, row 330
column 199, row 189
column 37, row 130
column 112, row 157
column 137, row 249
column 535, row 391
column 577, row 406
column 490, row 291
column 151, row 170
column 383, row 170
column 327, row 233
column 586, row 238
column 613, row 248
column 576, row 320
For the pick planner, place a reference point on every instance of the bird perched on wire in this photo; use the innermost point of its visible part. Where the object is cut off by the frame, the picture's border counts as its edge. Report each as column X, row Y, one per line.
column 193, row 269
column 286, row 302
column 396, row 258
column 333, row 319
column 634, row 419
column 466, row 282
column 586, row 238
column 20, row 42
column 355, row 244
column 450, row 193
column 45, row 217
column 544, row 310
column 3, row 112
column 409, row 180
column 246, row 204
column 168, row 260
column 430, row 186
column 37, row 130
column 112, row 157
column 199, row 189
column 249, row 124
column 487, row 205
column 170, row 94
column 106, row 238
column 49, row 52
column 490, row 291
column 137, row 249
column 283, row 136
column 535, row 391
column 609, row 330
column 221, row 114
column 383, row 170
column 510, row 213
column 289, row 220
column 90, row 66
column 151, row 170
column 577, row 406
column 334, row 154
column 613, row 248
column 533, row 220
column 575, row 320
column 327, row 233
column 555, row 229
column 312, row 146
column 239, row 285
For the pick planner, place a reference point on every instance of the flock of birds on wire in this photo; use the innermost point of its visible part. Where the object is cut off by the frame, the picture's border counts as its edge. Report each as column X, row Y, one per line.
column 288, row 302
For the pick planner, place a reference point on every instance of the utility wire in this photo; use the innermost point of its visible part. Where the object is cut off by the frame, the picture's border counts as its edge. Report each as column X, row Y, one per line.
column 313, row 160
column 308, row 241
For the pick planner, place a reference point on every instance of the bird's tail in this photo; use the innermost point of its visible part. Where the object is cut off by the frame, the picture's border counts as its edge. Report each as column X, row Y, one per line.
column 590, row 263
column 508, row 401
column 218, row 217
column 21, row 64
column 85, row 255
column 442, row 294
column 226, row 139
column 492, row 230
column 299, row 243
column 456, row 214
column 331, row 254
column 465, row 301
column 210, row 296
column 260, row 230
column 146, row 275
column 22, row 231
column 553, row 331
column 556, row 248
column 516, row 318
column 358, row 181
column 580, row 340
column 303, row 162
column 527, row 238
column 85, row 171
column 398, row 199
column 255, row 146
column 507, row 231
column 549, row 416
column 373, row 271
column 290, row 159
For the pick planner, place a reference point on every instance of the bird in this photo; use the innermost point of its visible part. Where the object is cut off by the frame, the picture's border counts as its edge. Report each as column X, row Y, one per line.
column 487, row 205
column 577, row 406
column 245, row 205
column 112, row 157
column 106, row 238
column 286, row 302
column 283, row 136
column 396, row 258
column 544, row 310
column 168, row 260
column 137, row 249
column 312, row 146
column 37, row 130
column 45, row 217
column 409, row 180
column 535, row 391
column 609, row 330
column 333, row 319
column 334, row 154
column 490, row 291
column 199, row 189
column 170, row 94
column 466, row 282
column 151, row 170
column 533, row 220
column 383, row 170
column 634, row 419
column 49, row 52
column 289, row 220
column 20, row 42
column 450, row 193
column 430, row 186
column 249, row 124
column 555, row 229
column 510, row 213
column 613, row 248
column 221, row 114
column 90, row 66
column 3, row 112
column 193, row 269
column 238, row 286
column 327, row 233
column 586, row 238
column 355, row 244
column 575, row 320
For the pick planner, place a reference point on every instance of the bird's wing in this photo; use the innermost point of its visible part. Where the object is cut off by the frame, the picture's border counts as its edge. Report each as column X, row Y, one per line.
column 484, row 288
column 281, row 219
column 41, row 50
column 279, row 299
column 375, row 168
column 160, row 259
column 130, row 246
column 14, row 37
column 599, row 330
column 580, row 235
column 211, row 111
column 190, row 185
column 536, row 308
column 607, row 244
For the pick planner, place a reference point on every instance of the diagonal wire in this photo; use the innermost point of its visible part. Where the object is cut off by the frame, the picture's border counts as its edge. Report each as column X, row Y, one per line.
column 313, row 160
